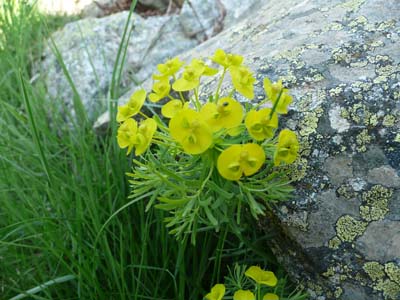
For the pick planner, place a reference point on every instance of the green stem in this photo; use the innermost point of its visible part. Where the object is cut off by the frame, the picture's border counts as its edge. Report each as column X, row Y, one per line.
column 220, row 248
column 219, row 85
column 275, row 104
column 258, row 291
column 196, row 95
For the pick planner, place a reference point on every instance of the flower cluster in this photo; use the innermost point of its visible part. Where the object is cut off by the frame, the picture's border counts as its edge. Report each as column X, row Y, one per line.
column 260, row 279
column 237, row 134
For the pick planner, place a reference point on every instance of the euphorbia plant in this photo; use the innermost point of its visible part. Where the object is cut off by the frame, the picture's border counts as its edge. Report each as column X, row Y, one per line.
column 211, row 157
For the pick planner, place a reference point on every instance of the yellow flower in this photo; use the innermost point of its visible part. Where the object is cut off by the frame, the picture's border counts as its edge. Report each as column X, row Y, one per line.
column 130, row 135
column 133, row 106
column 239, row 159
column 270, row 296
column 171, row 108
column 126, row 135
column 203, row 68
column 272, row 90
column 260, row 125
column 217, row 292
column 124, row 113
column 191, row 131
column 243, row 295
column 144, row 135
column 260, row 276
column 160, row 90
column 190, row 79
column 243, row 81
column 226, row 60
column 287, row 147
column 226, row 113
column 169, row 68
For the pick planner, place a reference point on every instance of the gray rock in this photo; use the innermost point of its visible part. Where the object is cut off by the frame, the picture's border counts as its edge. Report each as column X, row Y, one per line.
column 89, row 48
column 339, row 235
column 205, row 18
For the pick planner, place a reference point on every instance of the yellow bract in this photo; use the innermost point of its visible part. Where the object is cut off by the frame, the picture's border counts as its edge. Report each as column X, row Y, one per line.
column 124, row 113
column 190, row 130
column 243, row 295
column 169, row 68
column 226, row 60
column 237, row 160
column 226, row 113
column 202, row 68
column 272, row 90
column 126, row 135
column 217, row 292
column 287, row 148
column 190, row 79
column 130, row 135
column 145, row 133
column 243, row 81
column 261, row 277
column 133, row 106
column 171, row 108
column 160, row 90
column 270, row 296
column 261, row 124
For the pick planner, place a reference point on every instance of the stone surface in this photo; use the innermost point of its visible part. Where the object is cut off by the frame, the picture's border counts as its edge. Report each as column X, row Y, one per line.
column 339, row 235
column 89, row 48
column 206, row 18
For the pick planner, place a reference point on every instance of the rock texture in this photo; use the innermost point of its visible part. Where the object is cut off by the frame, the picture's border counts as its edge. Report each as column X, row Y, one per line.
column 340, row 234
column 89, row 49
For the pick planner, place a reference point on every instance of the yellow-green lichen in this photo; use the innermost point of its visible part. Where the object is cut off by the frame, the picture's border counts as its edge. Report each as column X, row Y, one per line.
column 376, row 44
column 384, row 26
column 360, row 21
column 376, row 203
column 390, row 289
column 334, row 243
column 337, row 90
column 393, row 272
column 329, row 272
column 335, row 26
column 385, row 70
column 389, row 121
column 338, row 292
column 351, row 5
column 374, row 270
column 396, row 95
column 348, row 228
column 346, row 191
column 397, row 138
column 373, row 120
column 297, row 170
column 309, row 122
column 290, row 54
column 362, row 140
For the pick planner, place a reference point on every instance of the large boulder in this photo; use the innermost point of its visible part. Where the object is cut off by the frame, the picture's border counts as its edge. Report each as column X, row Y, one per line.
column 89, row 48
column 340, row 234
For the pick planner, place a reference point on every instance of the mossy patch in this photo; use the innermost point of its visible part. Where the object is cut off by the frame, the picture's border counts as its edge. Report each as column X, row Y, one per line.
column 376, row 202
column 348, row 228
column 374, row 270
